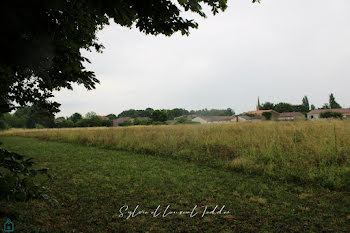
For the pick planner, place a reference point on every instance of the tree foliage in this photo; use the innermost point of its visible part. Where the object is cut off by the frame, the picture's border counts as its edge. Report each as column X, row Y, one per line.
column 112, row 116
column 305, row 103
column 267, row 115
column 330, row 114
column 30, row 117
column 159, row 116
column 177, row 112
column 15, row 178
column 43, row 40
column 136, row 113
column 304, row 107
column 213, row 112
column 267, row 106
column 75, row 117
column 325, row 106
column 332, row 102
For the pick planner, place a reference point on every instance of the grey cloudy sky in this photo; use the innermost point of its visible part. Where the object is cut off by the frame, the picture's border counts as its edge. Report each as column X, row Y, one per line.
column 279, row 50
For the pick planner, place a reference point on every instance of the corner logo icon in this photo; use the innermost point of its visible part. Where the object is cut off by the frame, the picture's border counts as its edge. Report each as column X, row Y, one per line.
column 9, row 226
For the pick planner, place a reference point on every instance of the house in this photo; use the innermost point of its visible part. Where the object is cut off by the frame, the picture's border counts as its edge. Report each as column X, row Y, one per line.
column 121, row 120
column 58, row 121
column 103, row 117
column 315, row 114
column 188, row 117
column 213, row 119
column 291, row 116
column 245, row 118
column 274, row 114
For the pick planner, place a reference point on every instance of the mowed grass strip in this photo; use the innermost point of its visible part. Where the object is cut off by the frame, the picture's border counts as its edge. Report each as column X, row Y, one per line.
column 305, row 152
column 91, row 185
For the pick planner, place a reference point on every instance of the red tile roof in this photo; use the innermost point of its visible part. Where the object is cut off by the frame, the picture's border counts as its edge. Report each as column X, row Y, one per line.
column 103, row 117
column 259, row 112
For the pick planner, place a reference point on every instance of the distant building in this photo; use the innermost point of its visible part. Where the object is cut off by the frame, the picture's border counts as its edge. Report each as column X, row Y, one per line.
column 291, row 116
column 188, row 117
column 245, row 118
column 213, row 119
column 315, row 114
column 274, row 114
column 103, row 117
column 58, row 121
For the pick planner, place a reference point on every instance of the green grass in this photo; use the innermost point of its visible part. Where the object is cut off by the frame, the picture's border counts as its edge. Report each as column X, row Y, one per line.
column 306, row 152
column 91, row 185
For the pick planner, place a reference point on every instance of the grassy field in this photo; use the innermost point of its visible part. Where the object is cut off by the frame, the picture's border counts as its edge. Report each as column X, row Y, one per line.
column 91, row 185
column 307, row 153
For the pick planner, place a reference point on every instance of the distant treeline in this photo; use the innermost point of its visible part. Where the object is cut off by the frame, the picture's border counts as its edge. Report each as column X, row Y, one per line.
column 28, row 117
column 36, row 117
column 304, row 107
column 177, row 112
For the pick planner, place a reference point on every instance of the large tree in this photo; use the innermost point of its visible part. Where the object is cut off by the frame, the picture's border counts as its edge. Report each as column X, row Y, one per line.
column 305, row 104
column 267, row 106
column 42, row 40
column 332, row 102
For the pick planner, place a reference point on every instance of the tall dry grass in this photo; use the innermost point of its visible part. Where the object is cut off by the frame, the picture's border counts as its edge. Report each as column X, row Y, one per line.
column 315, row 152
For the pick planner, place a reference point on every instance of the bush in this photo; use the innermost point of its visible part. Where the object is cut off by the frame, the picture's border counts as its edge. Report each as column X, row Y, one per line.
column 329, row 114
column 107, row 123
column 3, row 125
column 39, row 126
column 16, row 178
column 125, row 123
column 159, row 115
column 141, row 122
column 267, row 115
column 250, row 115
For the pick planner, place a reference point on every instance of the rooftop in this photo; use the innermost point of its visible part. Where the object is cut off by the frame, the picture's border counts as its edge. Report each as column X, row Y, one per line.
column 341, row 110
column 291, row 114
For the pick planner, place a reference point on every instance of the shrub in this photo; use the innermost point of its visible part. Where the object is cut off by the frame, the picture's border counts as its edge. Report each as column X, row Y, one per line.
column 329, row 114
column 3, row 125
column 250, row 115
column 16, row 178
column 126, row 123
column 267, row 115
column 39, row 126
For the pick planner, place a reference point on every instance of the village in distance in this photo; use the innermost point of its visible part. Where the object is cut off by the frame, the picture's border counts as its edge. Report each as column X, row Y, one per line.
column 34, row 117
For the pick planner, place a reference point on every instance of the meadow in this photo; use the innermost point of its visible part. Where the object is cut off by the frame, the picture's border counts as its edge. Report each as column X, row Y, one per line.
column 268, row 177
column 91, row 185
column 306, row 152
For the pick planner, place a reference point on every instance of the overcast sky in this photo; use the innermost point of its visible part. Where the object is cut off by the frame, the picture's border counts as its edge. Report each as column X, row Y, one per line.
column 279, row 50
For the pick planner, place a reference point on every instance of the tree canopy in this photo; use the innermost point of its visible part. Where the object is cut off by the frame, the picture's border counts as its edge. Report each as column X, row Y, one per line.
column 287, row 107
column 332, row 102
column 42, row 40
